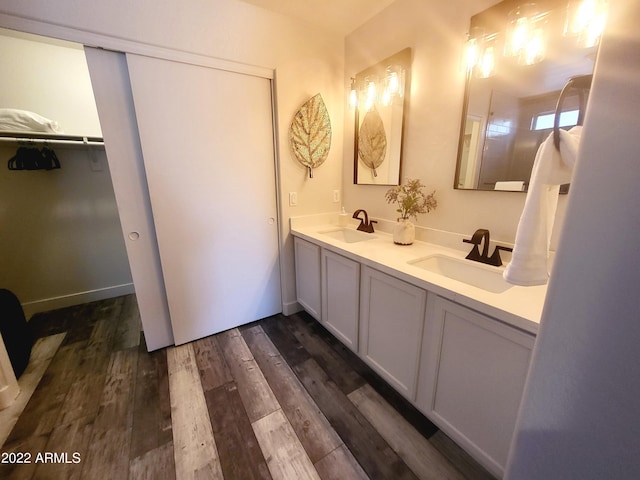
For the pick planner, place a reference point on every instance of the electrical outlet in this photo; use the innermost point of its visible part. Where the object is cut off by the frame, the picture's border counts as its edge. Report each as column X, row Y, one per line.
column 336, row 196
column 95, row 164
column 293, row 199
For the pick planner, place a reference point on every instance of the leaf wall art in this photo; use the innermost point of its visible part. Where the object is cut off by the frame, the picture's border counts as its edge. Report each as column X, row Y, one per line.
column 310, row 133
column 372, row 141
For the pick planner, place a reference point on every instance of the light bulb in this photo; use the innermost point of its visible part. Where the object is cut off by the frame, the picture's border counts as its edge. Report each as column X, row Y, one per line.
column 386, row 96
column 353, row 98
column 519, row 36
column 586, row 19
column 579, row 16
column 487, row 64
column 371, row 95
column 472, row 53
column 394, row 83
column 534, row 49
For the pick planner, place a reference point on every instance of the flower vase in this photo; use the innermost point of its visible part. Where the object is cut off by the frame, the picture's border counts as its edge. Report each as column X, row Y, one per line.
column 404, row 233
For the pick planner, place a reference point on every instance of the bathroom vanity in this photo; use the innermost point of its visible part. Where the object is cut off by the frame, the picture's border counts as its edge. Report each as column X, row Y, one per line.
column 454, row 339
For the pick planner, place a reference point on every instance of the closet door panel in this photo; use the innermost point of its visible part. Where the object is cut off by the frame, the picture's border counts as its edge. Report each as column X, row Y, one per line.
column 112, row 90
column 207, row 142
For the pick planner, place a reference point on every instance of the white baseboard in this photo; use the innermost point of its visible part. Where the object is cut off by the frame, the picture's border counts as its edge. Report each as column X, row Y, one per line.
column 290, row 308
column 46, row 304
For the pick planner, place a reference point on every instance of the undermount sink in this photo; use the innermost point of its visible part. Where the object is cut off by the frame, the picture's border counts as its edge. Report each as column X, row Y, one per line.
column 486, row 277
column 348, row 235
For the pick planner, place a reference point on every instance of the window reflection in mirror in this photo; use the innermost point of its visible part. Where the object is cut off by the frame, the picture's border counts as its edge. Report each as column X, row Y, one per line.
column 379, row 97
column 510, row 113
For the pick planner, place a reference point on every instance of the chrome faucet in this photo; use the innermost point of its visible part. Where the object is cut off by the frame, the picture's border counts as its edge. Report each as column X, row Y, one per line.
column 482, row 236
column 365, row 224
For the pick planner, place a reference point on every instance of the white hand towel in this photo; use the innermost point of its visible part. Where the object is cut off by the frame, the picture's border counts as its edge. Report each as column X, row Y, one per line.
column 529, row 261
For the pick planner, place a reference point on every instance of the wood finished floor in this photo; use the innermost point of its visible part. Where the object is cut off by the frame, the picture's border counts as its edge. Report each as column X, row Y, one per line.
column 279, row 398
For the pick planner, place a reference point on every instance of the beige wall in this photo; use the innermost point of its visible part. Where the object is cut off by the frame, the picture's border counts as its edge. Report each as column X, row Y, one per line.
column 50, row 79
column 435, row 31
column 61, row 241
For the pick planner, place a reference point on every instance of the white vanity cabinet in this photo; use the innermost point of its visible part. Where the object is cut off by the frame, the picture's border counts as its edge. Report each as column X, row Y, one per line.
column 464, row 370
column 307, row 261
column 341, row 297
column 391, row 324
column 472, row 376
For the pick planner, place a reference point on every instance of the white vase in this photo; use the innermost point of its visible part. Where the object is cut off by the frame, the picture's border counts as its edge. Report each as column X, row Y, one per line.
column 404, row 233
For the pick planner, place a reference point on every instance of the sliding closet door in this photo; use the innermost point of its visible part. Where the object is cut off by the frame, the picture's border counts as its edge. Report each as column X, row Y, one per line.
column 207, row 143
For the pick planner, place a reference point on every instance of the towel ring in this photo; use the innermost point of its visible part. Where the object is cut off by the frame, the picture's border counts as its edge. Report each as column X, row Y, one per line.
column 581, row 83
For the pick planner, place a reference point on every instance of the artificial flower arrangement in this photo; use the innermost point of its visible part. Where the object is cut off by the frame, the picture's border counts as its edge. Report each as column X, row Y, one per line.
column 411, row 201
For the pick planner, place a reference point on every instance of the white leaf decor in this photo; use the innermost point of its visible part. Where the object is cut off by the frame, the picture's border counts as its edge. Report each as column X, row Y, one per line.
column 372, row 141
column 310, row 133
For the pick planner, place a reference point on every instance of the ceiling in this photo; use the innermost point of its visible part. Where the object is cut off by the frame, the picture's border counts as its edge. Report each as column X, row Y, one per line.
column 341, row 16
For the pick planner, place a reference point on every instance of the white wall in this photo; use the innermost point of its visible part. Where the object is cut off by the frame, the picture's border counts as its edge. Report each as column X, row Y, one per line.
column 579, row 417
column 306, row 61
column 436, row 31
column 61, row 242
column 50, row 79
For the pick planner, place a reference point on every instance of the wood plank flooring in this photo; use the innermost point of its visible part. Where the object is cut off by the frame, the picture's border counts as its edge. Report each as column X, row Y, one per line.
column 276, row 399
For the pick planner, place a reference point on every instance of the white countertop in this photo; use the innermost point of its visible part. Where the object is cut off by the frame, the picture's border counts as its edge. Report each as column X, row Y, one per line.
column 518, row 306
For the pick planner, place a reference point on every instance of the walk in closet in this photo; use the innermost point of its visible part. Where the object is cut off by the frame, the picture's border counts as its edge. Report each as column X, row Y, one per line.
column 60, row 241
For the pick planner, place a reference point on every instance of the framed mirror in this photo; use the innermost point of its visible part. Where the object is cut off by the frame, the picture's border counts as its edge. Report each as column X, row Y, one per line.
column 510, row 101
column 379, row 96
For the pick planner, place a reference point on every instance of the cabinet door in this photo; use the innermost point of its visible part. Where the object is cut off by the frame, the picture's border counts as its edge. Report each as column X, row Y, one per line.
column 307, row 258
column 341, row 297
column 391, row 323
column 472, row 377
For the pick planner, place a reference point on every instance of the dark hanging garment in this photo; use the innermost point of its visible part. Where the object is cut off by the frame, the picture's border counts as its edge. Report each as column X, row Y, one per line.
column 26, row 158
column 30, row 158
column 49, row 159
column 15, row 331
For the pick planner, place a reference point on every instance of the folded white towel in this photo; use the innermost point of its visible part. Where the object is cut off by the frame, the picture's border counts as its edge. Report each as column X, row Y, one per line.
column 529, row 261
column 14, row 120
column 511, row 185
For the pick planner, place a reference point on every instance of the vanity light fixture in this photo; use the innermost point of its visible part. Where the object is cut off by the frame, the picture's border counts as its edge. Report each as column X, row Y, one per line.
column 377, row 90
column 480, row 53
column 526, row 35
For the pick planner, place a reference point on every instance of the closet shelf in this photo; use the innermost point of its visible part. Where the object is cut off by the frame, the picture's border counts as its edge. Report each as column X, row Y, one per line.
column 50, row 139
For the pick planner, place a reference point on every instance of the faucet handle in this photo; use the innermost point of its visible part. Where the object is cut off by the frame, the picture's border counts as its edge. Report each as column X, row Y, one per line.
column 495, row 259
column 477, row 236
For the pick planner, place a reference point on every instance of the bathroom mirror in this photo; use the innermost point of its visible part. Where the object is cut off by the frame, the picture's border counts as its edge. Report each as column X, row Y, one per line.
column 379, row 97
column 507, row 115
